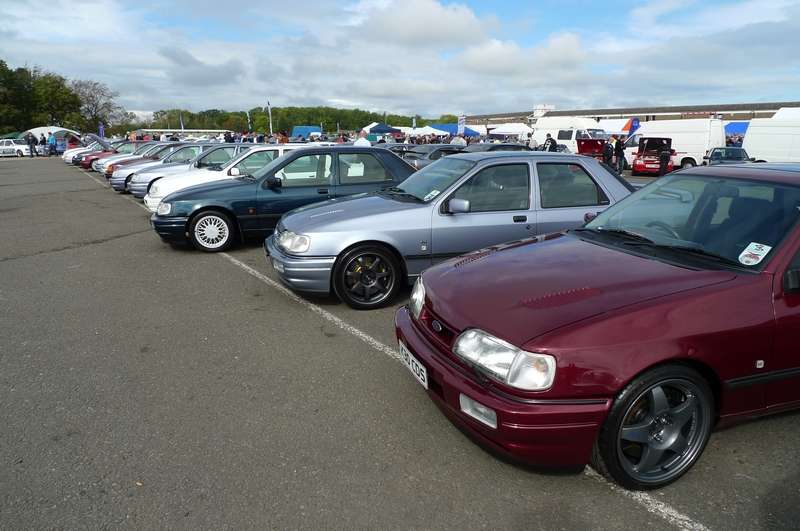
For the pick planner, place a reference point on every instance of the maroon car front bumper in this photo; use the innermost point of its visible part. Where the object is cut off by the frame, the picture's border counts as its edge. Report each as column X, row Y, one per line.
column 545, row 433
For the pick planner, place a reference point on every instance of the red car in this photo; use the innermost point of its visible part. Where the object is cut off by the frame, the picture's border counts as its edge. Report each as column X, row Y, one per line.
column 622, row 343
column 647, row 159
column 118, row 148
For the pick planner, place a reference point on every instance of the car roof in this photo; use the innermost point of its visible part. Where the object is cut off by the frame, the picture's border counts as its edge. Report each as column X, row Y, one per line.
column 476, row 156
column 787, row 173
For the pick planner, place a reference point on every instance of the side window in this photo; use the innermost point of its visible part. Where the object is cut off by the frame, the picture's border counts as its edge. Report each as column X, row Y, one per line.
column 185, row 154
column 565, row 134
column 564, row 185
column 633, row 141
column 582, row 134
column 243, row 149
column 218, row 157
column 255, row 161
column 308, row 170
column 436, row 155
column 497, row 188
column 361, row 168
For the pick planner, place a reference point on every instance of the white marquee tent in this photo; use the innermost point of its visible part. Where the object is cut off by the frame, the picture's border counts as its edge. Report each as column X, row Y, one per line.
column 510, row 129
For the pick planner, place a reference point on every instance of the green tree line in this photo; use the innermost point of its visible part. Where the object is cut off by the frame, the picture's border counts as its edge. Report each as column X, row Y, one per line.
column 283, row 118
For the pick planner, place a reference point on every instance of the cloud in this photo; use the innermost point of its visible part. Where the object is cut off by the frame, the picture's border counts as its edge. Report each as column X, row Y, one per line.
column 410, row 56
column 186, row 70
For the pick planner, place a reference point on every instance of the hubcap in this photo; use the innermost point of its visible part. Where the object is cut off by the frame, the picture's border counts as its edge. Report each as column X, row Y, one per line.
column 663, row 431
column 368, row 278
column 211, row 232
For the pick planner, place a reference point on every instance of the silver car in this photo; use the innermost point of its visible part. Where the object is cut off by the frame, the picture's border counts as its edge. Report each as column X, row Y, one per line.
column 213, row 156
column 364, row 247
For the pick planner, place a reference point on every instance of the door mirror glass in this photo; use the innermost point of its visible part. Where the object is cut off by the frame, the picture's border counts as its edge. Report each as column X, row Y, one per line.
column 274, row 182
column 458, row 206
column 234, row 172
column 589, row 216
column 791, row 281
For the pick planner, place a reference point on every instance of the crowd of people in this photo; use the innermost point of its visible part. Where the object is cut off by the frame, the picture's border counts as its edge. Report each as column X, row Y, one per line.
column 48, row 144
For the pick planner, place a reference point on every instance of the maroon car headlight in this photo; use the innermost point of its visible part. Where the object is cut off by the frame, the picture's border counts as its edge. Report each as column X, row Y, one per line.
column 417, row 298
column 503, row 361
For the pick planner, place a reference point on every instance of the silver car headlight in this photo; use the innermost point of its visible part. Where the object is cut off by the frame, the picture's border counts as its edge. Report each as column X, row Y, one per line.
column 417, row 298
column 293, row 243
column 154, row 190
column 505, row 362
column 164, row 208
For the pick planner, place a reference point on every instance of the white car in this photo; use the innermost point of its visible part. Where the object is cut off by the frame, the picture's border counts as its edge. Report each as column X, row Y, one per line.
column 247, row 163
column 14, row 147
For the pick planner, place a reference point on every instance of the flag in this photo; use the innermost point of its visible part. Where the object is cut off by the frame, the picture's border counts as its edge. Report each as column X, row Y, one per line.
column 269, row 110
column 180, row 116
column 414, row 122
column 249, row 124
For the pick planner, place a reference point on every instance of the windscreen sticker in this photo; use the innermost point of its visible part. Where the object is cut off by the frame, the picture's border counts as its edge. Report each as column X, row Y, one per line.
column 754, row 253
column 431, row 195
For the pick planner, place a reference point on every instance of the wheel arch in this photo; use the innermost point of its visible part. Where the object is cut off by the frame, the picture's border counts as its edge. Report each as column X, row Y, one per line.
column 218, row 208
column 690, row 160
column 388, row 246
column 703, row 369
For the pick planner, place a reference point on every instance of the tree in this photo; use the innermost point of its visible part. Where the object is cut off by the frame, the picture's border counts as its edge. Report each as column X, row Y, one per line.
column 97, row 103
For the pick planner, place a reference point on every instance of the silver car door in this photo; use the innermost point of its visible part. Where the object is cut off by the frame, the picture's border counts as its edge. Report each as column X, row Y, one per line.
column 500, row 201
column 566, row 192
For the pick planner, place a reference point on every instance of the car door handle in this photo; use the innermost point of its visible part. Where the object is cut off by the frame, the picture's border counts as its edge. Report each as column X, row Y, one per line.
column 520, row 219
column 322, row 191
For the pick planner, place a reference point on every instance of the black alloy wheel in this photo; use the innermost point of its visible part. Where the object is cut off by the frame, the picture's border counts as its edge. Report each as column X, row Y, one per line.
column 657, row 428
column 367, row 277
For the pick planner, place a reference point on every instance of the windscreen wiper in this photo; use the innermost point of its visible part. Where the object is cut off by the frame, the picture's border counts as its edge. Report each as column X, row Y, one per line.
column 699, row 251
column 616, row 232
column 394, row 190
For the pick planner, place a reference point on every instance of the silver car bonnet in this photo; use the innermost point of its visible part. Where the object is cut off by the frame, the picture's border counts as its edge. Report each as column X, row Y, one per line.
column 351, row 211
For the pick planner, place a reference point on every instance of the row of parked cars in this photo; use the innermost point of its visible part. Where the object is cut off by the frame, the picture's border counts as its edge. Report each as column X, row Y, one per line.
column 557, row 315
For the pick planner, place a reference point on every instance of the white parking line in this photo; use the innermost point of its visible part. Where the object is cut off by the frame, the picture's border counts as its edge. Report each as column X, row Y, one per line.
column 652, row 505
column 106, row 185
column 649, row 503
column 328, row 316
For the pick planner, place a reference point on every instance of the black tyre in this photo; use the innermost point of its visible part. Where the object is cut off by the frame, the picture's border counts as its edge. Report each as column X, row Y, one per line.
column 211, row 231
column 657, row 428
column 20, row 153
column 367, row 277
column 686, row 164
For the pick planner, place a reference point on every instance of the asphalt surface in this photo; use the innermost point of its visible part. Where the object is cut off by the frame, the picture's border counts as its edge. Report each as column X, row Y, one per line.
column 143, row 387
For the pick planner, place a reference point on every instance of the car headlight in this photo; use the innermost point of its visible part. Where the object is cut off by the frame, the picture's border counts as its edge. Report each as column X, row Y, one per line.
column 164, row 208
column 293, row 243
column 154, row 190
column 417, row 298
column 505, row 362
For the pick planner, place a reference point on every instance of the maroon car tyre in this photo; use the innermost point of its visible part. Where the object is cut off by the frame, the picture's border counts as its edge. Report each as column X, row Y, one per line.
column 367, row 277
column 657, row 428
column 211, row 231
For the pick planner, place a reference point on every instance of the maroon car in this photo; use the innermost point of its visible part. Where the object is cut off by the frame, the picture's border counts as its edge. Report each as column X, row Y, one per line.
column 622, row 343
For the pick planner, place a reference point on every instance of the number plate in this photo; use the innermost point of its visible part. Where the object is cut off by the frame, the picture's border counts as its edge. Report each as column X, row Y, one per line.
column 417, row 369
column 277, row 266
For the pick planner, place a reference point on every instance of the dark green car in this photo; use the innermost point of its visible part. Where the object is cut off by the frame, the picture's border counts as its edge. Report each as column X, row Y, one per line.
column 212, row 215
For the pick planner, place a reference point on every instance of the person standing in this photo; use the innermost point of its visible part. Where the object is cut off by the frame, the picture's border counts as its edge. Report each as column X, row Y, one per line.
column 619, row 153
column 608, row 151
column 51, row 144
column 362, row 140
column 31, row 145
column 42, row 140
column 458, row 140
column 550, row 144
column 664, row 156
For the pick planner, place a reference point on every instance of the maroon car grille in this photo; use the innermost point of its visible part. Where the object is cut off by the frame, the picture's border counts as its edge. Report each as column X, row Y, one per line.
column 438, row 331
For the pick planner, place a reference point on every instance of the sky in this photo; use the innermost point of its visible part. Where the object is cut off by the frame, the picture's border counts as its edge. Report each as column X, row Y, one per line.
column 425, row 57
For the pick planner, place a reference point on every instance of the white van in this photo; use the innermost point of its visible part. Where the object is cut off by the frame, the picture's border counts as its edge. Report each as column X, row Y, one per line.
column 567, row 130
column 773, row 139
column 691, row 139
